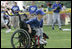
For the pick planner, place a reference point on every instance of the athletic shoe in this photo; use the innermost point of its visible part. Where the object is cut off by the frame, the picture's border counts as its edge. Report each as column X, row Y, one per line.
column 7, row 31
column 52, row 28
column 40, row 41
column 45, row 42
column 60, row 29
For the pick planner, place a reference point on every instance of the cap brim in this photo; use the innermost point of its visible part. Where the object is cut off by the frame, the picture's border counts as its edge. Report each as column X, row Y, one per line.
column 43, row 13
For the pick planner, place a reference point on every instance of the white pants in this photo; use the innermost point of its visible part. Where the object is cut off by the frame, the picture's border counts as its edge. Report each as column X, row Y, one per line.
column 39, row 32
column 6, row 21
column 56, row 16
column 15, row 21
column 2, row 20
column 50, row 19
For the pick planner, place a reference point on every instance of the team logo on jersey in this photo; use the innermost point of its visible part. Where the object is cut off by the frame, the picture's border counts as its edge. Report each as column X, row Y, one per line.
column 15, row 8
column 33, row 8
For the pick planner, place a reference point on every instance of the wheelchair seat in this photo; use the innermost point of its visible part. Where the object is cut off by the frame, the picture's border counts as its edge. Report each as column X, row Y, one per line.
column 33, row 33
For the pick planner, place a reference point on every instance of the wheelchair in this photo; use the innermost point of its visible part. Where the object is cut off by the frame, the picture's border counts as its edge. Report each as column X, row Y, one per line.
column 21, row 38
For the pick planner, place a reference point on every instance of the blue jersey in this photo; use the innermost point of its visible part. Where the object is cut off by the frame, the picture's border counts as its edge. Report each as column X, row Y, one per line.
column 6, row 16
column 55, row 6
column 35, row 23
column 15, row 8
column 32, row 9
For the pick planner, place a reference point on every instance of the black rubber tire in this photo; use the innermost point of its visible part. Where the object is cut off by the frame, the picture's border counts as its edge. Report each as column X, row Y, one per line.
column 41, row 46
column 25, row 33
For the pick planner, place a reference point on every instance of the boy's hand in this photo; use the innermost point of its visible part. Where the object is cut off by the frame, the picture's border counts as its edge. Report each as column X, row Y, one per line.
column 54, row 9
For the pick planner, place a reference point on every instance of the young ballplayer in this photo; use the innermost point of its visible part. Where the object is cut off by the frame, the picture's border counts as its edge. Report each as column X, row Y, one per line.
column 37, row 24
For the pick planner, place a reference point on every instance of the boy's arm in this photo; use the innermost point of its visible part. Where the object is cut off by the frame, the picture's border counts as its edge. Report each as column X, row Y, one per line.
column 30, row 21
column 29, row 28
column 53, row 7
column 12, row 10
column 41, row 26
column 35, row 9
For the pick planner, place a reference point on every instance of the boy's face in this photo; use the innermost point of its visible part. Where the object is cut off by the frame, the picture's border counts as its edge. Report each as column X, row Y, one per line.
column 50, row 6
column 40, row 16
column 15, row 3
column 57, row 2
column 33, row 3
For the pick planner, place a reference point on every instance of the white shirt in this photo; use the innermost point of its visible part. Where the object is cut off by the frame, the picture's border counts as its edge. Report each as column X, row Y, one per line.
column 63, row 8
column 24, row 10
column 42, row 9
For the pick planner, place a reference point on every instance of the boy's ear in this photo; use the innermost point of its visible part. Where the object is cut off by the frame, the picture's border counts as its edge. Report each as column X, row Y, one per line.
column 37, row 14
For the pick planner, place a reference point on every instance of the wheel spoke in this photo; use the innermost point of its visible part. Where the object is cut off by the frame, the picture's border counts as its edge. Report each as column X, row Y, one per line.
column 16, row 37
column 16, row 43
column 20, row 39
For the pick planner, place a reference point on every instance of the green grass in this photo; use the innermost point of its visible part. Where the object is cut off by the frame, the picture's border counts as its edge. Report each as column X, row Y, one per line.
column 57, row 38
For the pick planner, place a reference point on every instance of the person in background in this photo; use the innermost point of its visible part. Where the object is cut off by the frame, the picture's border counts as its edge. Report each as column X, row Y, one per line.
column 7, row 5
column 7, row 20
column 9, row 12
column 63, row 15
column 56, row 15
column 32, row 9
column 42, row 7
column 3, row 22
column 50, row 15
column 24, row 9
column 15, row 11
column 63, row 7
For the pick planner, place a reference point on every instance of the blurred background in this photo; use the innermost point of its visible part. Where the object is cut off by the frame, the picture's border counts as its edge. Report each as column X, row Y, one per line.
column 58, row 38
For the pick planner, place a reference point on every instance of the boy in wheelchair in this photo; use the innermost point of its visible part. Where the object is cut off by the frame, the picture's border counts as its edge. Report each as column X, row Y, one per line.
column 37, row 24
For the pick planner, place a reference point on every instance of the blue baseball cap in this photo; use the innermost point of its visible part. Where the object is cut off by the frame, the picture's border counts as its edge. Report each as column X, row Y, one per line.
column 39, row 12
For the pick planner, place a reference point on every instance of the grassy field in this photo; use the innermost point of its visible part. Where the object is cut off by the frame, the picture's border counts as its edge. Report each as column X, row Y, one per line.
column 57, row 38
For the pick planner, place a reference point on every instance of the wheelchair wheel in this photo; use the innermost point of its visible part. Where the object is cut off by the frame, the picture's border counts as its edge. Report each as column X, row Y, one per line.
column 20, row 39
column 41, row 46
